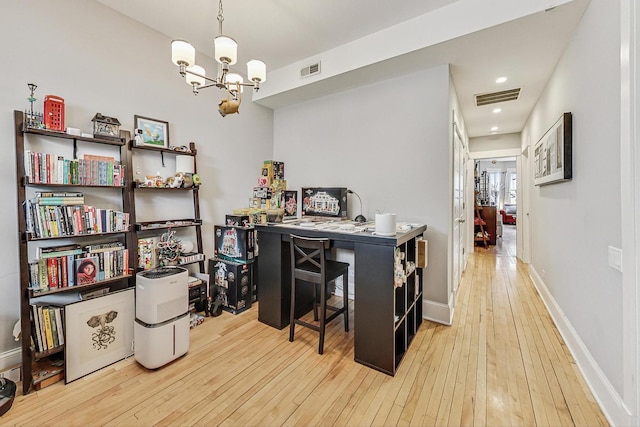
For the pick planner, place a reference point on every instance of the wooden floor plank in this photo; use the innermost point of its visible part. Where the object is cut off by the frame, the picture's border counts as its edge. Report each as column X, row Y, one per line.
column 501, row 362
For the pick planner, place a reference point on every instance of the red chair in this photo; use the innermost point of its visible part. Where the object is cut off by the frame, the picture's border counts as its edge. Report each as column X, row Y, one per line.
column 508, row 214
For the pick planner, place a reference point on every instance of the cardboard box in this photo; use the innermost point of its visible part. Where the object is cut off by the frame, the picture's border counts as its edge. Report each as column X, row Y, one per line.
column 423, row 250
column 234, row 281
column 238, row 220
column 290, row 203
column 233, row 243
column 320, row 201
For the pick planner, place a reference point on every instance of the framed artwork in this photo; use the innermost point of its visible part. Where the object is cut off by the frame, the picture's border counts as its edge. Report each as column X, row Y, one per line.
column 86, row 270
column 552, row 153
column 151, row 132
column 99, row 332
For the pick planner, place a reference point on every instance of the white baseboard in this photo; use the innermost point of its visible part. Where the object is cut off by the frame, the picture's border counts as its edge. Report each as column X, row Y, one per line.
column 10, row 358
column 610, row 402
column 437, row 312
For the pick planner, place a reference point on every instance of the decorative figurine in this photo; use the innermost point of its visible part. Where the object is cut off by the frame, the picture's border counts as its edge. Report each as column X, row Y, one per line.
column 105, row 126
column 33, row 119
column 169, row 248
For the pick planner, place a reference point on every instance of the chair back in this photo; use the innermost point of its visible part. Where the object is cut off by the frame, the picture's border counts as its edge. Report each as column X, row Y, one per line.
column 308, row 259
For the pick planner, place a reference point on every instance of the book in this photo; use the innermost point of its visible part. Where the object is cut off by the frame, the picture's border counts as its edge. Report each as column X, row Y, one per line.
column 54, row 326
column 59, row 316
column 37, row 333
column 47, row 326
column 86, row 270
column 43, row 333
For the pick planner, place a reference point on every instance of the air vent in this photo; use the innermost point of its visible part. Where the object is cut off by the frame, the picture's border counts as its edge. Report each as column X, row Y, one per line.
column 494, row 97
column 310, row 70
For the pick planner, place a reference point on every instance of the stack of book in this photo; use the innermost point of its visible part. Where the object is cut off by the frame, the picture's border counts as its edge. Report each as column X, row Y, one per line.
column 61, row 216
column 71, row 265
column 50, row 198
column 47, row 327
column 46, row 168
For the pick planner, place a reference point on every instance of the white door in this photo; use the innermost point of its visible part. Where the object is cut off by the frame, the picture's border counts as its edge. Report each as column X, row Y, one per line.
column 458, row 208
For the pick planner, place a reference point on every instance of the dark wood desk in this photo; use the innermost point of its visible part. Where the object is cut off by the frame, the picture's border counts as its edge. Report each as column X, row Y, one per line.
column 386, row 318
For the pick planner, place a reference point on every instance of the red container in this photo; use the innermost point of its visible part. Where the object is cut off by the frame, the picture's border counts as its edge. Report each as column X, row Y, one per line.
column 54, row 113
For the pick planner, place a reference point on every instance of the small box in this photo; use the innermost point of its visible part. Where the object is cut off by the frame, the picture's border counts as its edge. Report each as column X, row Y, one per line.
column 238, row 220
column 234, row 282
column 54, row 113
column 277, row 168
column 321, row 201
column 233, row 243
column 290, row 203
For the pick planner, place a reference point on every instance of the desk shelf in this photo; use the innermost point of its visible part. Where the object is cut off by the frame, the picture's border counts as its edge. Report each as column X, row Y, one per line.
column 380, row 341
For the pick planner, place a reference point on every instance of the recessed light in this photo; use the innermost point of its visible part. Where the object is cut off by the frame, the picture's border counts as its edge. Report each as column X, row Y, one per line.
column 501, row 79
column 497, row 110
column 494, row 128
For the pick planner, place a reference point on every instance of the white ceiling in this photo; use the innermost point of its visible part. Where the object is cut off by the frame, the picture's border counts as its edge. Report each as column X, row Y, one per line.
column 282, row 32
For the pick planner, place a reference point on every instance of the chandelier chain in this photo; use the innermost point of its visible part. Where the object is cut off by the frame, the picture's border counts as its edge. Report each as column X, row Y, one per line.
column 220, row 16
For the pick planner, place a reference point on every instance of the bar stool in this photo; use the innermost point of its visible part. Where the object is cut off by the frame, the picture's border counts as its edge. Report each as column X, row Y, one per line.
column 308, row 263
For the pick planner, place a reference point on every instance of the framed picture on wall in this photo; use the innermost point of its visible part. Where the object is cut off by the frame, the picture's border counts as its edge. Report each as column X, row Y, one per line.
column 151, row 132
column 552, row 153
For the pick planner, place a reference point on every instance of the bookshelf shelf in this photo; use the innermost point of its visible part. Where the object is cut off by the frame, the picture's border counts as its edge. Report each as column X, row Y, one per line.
column 166, row 224
column 29, row 238
column 84, row 286
column 145, row 187
column 42, row 220
column 192, row 151
column 47, row 353
column 40, row 184
column 53, row 134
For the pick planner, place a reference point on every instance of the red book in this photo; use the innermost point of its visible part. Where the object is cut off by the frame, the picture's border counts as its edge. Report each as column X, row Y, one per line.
column 63, row 268
column 52, row 273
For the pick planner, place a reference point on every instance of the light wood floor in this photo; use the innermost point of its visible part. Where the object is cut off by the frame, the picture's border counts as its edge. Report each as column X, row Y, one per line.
column 502, row 363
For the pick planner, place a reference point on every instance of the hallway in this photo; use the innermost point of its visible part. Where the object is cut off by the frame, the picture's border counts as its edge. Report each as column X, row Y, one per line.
column 529, row 374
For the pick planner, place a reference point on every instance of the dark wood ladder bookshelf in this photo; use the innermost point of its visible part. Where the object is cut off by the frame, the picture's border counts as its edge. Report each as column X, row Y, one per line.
column 153, row 228
column 28, row 349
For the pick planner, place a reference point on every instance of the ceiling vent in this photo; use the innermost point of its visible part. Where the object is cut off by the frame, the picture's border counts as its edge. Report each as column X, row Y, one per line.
column 494, row 97
column 310, row 70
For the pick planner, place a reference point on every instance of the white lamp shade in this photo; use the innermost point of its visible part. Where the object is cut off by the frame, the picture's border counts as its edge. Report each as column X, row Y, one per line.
column 182, row 52
column 234, row 78
column 226, row 50
column 193, row 79
column 257, row 71
column 184, row 164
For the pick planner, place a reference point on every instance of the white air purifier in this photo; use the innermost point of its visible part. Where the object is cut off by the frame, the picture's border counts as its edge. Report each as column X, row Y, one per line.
column 161, row 329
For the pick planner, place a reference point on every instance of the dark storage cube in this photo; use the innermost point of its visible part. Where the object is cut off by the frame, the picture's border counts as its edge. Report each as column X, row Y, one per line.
column 237, row 244
column 234, row 281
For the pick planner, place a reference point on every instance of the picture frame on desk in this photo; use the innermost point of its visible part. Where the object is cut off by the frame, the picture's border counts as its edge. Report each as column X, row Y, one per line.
column 155, row 133
column 99, row 332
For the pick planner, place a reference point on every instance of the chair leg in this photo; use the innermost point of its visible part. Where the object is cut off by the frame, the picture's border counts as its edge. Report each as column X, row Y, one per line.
column 345, row 300
column 323, row 315
column 315, row 303
column 292, row 319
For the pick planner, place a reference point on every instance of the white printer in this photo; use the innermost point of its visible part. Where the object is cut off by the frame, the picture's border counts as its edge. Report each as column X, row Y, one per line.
column 161, row 329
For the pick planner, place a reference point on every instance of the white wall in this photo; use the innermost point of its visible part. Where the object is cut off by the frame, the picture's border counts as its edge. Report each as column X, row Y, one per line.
column 101, row 61
column 389, row 142
column 494, row 142
column 573, row 223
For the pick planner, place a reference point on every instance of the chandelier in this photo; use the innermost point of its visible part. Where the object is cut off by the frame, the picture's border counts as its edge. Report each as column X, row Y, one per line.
column 183, row 55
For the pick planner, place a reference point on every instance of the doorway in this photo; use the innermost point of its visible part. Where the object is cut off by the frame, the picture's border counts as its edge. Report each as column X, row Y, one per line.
column 495, row 190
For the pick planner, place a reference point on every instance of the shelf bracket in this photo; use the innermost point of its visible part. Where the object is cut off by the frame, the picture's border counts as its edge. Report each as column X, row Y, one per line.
column 162, row 158
column 75, row 149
